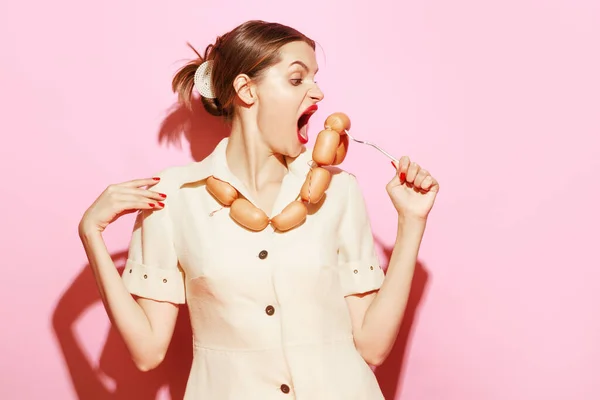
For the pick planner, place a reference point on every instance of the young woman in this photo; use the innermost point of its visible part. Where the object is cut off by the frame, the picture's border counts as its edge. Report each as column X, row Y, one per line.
column 295, row 314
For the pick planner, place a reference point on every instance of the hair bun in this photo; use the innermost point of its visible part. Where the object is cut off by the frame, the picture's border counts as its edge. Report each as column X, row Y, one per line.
column 212, row 106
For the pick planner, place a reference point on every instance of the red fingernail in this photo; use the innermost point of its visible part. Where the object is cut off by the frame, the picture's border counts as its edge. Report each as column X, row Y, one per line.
column 393, row 165
column 156, row 178
column 402, row 177
column 161, row 204
column 162, row 195
column 151, row 205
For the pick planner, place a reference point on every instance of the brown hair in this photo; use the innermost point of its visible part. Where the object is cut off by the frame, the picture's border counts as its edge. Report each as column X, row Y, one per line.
column 248, row 49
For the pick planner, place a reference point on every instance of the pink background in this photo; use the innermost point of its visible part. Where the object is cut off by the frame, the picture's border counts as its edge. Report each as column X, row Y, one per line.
column 500, row 100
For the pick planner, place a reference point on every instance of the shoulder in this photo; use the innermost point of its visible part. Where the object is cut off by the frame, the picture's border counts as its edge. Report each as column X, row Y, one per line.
column 342, row 180
column 348, row 193
column 172, row 178
column 344, row 188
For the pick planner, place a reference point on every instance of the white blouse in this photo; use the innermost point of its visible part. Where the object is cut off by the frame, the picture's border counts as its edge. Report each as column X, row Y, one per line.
column 267, row 309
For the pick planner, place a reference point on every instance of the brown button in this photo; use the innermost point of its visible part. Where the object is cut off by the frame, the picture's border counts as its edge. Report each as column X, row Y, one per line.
column 371, row 268
column 285, row 388
column 263, row 254
column 145, row 276
column 356, row 271
column 165, row 280
column 270, row 310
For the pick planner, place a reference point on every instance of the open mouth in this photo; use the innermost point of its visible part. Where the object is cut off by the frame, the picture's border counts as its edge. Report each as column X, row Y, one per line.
column 303, row 123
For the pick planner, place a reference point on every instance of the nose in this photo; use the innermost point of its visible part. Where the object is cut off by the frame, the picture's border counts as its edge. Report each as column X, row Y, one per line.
column 316, row 94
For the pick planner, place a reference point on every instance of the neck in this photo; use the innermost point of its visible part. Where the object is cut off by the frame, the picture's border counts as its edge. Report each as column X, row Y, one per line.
column 250, row 158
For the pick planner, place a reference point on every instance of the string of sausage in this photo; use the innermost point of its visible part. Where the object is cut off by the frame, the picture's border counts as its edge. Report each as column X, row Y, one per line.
column 330, row 148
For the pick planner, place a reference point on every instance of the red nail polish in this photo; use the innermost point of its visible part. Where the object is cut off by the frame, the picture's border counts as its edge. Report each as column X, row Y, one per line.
column 151, row 205
column 162, row 195
column 161, row 204
column 156, row 178
column 402, row 177
column 393, row 165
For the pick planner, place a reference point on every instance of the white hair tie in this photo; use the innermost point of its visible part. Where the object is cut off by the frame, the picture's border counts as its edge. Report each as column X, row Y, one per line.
column 203, row 80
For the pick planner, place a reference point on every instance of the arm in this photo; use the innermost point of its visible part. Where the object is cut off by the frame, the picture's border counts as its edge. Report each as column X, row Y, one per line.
column 377, row 316
column 146, row 326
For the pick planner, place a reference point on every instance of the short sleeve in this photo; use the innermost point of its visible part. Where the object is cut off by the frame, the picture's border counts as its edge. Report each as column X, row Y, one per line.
column 359, row 267
column 152, row 269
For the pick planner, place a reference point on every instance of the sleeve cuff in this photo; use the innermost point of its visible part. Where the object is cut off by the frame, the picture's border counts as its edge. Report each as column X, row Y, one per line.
column 360, row 276
column 154, row 283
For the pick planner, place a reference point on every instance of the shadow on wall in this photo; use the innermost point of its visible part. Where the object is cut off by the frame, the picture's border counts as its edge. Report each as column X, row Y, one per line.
column 200, row 129
column 391, row 373
column 116, row 377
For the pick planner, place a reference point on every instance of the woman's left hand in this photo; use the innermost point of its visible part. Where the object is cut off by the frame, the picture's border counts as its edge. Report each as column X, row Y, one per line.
column 412, row 190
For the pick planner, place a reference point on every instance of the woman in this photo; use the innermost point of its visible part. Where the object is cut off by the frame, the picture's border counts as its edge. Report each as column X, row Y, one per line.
column 275, row 315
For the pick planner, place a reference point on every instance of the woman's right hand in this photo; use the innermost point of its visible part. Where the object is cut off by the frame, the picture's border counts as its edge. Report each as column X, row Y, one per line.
column 120, row 199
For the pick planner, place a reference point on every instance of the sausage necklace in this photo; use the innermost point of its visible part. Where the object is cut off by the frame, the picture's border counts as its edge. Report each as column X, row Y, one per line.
column 331, row 147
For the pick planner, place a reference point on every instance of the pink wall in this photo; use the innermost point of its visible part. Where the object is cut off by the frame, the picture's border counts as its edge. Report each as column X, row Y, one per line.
column 500, row 100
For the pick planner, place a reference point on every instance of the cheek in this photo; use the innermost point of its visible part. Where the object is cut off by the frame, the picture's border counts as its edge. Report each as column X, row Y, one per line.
column 278, row 106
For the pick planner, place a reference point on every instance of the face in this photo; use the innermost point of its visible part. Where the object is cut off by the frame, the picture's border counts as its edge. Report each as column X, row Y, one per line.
column 287, row 95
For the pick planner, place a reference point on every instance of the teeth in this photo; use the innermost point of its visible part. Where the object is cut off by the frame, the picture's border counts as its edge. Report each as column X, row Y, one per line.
column 303, row 125
column 303, row 132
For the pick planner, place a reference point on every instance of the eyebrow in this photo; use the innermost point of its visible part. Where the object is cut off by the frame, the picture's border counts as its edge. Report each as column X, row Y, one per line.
column 300, row 63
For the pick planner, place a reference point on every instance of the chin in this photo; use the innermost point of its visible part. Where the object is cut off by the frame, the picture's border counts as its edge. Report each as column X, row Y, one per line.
column 291, row 148
column 296, row 150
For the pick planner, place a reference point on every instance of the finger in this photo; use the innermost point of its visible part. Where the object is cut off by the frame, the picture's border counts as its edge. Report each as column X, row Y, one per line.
column 150, row 194
column 122, row 200
column 435, row 186
column 143, row 205
column 427, row 182
column 403, row 168
column 129, row 207
column 154, row 204
column 118, row 193
column 420, row 177
column 140, row 182
column 412, row 172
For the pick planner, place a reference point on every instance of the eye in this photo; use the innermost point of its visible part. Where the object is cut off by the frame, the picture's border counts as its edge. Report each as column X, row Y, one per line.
column 296, row 82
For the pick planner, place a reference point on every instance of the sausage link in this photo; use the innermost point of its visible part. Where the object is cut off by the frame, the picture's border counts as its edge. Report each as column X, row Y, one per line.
column 316, row 183
column 339, row 122
column 246, row 214
column 222, row 191
column 292, row 215
column 342, row 150
column 326, row 147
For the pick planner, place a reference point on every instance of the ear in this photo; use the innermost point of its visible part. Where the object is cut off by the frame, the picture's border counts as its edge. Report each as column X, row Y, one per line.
column 245, row 89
